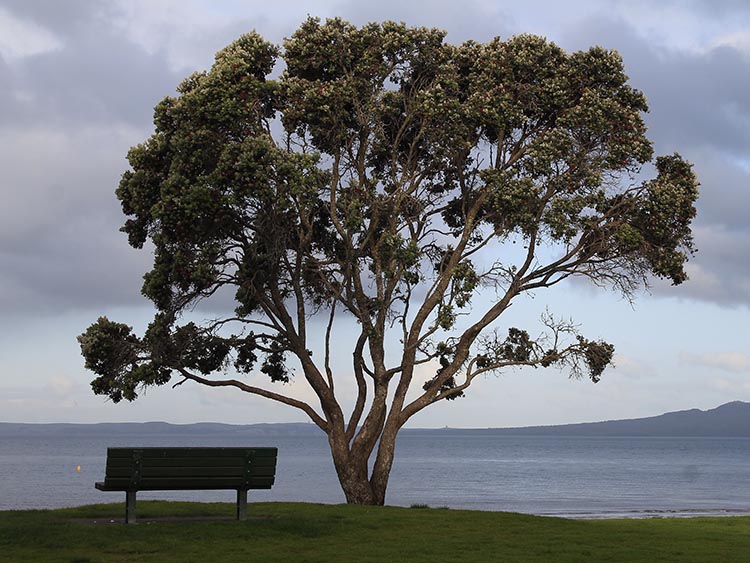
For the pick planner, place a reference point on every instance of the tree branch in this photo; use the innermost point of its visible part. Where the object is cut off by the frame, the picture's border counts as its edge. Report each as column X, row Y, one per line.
column 358, row 364
column 327, row 360
column 307, row 409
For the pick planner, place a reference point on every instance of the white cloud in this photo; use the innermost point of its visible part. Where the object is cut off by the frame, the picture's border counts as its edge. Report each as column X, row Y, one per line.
column 21, row 39
column 631, row 368
column 738, row 40
column 680, row 26
column 730, row 387
column 737, row 362
column 719, row 272
column 60, row 386
column 189, row 32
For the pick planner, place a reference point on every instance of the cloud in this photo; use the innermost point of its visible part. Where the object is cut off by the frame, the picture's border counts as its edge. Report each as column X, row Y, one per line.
column 472, row 19
column 698, row 107
column 20, row 38
column 74, row 101
column 60, row 386
column 68, row 115
column 682, row 25
column 720, row 273
column 188, row 33
column 59, row 240
column 738, row 40
column 67, row 118
column 60, row 18
column 736, row 362
column 698, row 100
column 97, row 79
column 631, row 368
column 725, row 197
column 730, row 9
column 731, row 388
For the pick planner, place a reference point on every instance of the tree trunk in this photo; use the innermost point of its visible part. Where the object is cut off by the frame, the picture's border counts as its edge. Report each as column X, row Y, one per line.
column 353, row 470
column 358, row 490
column 381, row 470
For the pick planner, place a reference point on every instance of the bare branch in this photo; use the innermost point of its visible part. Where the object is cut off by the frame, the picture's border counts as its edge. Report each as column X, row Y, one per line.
column 358, row 363
column 327, row 360
column 307, row 409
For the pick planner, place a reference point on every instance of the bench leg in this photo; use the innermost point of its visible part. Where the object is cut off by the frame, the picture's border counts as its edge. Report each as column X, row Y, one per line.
column 130, row 507
column 241, row 505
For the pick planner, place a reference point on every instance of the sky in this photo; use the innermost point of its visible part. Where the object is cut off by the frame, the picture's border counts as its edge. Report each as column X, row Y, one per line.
column 78, row 83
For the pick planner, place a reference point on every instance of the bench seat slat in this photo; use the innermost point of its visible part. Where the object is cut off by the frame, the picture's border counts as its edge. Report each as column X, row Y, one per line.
column 150, row 470
column 167, row 472
column 150, row 452
column 193, row 462
column 164, row 484
column 177, row 486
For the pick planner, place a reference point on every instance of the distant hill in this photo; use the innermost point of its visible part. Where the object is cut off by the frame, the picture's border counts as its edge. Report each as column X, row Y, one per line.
column 158, row 429
column 728, row 420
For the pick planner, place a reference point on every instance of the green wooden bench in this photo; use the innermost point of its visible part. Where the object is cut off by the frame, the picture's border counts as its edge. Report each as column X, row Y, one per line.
column 170, row 469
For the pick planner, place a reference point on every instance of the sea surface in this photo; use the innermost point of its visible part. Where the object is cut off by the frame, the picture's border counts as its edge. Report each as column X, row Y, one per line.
column 574, row 477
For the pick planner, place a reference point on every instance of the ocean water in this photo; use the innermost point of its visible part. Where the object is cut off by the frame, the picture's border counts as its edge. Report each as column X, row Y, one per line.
column 577, row 477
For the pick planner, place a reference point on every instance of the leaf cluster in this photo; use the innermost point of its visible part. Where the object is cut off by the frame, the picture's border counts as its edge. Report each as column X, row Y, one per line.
column 401, row 158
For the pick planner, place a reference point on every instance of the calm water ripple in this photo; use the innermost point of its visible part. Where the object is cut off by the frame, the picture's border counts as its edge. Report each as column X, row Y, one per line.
column 577, row 477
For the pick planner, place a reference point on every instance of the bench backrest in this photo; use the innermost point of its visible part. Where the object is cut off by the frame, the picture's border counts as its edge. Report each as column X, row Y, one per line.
column 190, row 468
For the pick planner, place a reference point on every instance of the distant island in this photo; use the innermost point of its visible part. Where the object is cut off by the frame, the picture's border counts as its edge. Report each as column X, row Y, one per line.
column 729, row 420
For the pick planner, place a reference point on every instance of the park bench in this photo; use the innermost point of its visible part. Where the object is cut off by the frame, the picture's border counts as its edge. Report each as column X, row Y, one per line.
column 179, row 469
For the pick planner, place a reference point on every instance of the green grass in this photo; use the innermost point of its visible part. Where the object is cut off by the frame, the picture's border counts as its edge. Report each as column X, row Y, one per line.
column 299, row 532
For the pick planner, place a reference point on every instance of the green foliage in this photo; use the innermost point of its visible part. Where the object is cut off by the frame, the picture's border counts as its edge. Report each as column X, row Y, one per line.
column 598, row 356
column 663, row 218
column 406, row 169
column 517, row 347
column 115, row 355
column 446, row 387
column 273, row 365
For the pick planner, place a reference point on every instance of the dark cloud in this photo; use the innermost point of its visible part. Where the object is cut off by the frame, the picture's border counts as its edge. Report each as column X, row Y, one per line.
column 464, row 20
column 696, row 100
column 99, row 78
column 719, row 273
column 82, row 269
column 67, row 117
column 6, row 87
column 63, row 18
column 59, row 240
column 725, row 191
column 712, row 8
column 699, row 107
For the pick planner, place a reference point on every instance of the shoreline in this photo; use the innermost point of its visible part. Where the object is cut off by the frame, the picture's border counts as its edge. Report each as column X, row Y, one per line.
column 649, row 514
column 584, row 515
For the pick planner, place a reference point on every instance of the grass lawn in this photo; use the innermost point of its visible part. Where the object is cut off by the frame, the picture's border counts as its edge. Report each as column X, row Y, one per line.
column 197, row 532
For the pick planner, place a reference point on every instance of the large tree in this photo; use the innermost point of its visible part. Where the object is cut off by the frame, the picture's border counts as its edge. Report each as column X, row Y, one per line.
column 368, row 195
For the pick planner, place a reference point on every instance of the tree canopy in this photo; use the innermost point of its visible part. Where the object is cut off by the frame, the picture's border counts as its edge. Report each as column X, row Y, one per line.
column 389, row 177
